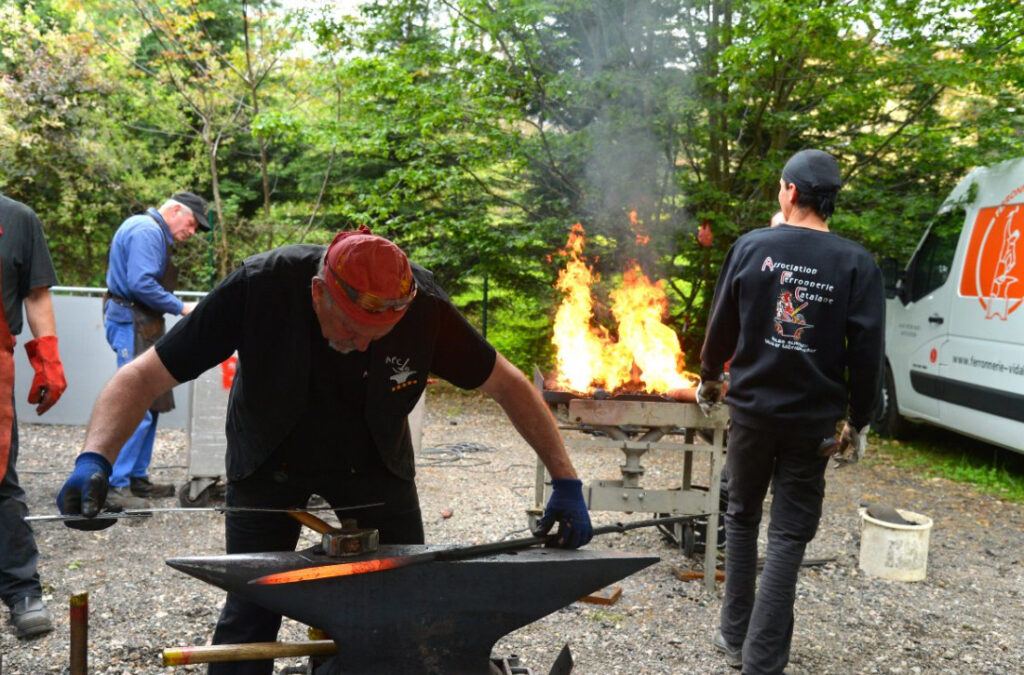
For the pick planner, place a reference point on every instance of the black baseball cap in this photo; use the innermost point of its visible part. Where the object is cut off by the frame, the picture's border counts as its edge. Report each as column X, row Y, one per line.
column 197, row 205
column 813, row 171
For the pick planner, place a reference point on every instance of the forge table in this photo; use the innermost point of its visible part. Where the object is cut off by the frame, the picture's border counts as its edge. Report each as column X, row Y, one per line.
column 635, row 427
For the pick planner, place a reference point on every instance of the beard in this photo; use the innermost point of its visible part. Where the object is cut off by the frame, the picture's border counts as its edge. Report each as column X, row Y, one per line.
column 341, row 347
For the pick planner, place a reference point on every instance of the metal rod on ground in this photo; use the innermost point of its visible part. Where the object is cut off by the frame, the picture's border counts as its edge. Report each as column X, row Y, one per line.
column 253, row 651
column 79, row 627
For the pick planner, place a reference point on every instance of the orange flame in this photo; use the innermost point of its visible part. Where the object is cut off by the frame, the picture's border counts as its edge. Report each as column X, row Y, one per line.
column 642, row 238
column 646, row 354
column 579, row 344
column 638, row 306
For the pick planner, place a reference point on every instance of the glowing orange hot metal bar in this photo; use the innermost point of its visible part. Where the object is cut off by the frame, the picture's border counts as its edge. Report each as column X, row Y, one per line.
column 334, row 571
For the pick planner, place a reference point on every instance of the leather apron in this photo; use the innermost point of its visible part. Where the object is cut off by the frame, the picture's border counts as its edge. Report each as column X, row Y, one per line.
column 6, row 383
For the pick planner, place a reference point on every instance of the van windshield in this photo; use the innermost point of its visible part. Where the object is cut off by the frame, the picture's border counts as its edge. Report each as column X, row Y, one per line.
column 934, row 258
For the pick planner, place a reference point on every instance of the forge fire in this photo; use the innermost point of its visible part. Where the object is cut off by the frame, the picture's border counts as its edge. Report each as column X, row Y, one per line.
column 642, row 355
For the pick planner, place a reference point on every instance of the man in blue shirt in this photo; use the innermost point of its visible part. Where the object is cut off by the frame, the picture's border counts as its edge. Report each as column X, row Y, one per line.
column 140, row 282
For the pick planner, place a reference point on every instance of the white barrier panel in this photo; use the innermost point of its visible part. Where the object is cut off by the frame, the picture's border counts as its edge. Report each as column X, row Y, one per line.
column 89, row 363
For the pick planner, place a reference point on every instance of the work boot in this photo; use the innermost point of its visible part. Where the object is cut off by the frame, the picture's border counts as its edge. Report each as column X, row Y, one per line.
column 30, row 618
column 733, row 655
column 119, row 499
column 143, row 487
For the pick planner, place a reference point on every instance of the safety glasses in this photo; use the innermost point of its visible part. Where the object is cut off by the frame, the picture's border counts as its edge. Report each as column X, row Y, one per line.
column 372, row 303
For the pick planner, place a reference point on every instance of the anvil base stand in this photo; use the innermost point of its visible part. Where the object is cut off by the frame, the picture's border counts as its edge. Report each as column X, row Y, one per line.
column 634, row 427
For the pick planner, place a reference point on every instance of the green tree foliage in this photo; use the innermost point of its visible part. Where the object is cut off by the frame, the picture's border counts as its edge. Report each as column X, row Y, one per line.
column 203, row 72
column 422, row 145
column 55, row 152
column 476, row 132
column 686, row 112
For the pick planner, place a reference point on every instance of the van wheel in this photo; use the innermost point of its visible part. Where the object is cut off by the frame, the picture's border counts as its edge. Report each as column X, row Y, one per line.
column 887, row 421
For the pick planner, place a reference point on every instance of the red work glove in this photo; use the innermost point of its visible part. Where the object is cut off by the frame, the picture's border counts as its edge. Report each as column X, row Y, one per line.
column 49, row 382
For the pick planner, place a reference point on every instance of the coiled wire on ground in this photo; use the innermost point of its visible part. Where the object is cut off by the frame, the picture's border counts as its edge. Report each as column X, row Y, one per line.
column 450, row 453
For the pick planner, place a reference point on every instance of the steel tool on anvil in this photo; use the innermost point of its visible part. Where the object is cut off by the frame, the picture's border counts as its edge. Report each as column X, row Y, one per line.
column 338, row 542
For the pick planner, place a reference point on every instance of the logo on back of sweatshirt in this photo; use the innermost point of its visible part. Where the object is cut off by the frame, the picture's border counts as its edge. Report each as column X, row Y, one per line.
column 800, row 289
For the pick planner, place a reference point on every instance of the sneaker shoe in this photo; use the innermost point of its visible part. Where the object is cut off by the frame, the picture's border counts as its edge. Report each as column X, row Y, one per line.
column 30, row 618
column 143, row 487
column 733, row 655
column 119, row 499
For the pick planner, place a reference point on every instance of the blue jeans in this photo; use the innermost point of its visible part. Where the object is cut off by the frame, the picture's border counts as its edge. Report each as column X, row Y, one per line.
column 762, row 620
column 18, row 553
column 133, row 460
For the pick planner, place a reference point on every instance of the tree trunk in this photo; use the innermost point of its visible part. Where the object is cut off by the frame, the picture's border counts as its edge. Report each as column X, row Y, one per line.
column 253, row 92
column 223, row 251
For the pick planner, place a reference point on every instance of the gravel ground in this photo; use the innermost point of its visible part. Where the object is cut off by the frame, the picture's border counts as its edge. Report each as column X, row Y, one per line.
column 966, row 617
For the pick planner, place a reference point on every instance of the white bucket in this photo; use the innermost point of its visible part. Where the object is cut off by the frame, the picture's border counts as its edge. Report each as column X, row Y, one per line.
column 893, row 551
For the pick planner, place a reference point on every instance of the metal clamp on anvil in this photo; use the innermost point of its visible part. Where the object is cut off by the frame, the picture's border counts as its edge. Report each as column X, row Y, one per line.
column 348, row 540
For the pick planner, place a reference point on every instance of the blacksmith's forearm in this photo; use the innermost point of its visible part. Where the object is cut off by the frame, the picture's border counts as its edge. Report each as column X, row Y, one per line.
column 535, row 423
column 123, row 402
column 39, row 312
column 530, row 416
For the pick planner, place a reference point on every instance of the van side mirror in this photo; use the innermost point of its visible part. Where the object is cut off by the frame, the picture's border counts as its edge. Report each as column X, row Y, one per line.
column 892, row 275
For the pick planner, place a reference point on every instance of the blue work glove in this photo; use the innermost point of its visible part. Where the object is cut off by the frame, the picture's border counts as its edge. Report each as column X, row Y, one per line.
column 567, row 507
column 85, row 492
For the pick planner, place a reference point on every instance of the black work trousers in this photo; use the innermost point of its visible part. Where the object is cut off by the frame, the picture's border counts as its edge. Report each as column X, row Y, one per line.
column 19, row 556
column 398, row 520
column 762, row 621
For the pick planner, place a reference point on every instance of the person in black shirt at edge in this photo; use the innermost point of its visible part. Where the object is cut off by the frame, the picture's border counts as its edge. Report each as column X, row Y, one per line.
column 26, row 275
column 334, row 346
column 799, row 311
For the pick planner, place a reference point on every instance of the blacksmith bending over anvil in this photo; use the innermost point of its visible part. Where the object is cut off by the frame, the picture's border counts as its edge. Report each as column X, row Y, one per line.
column 799, row 311
column 334, row 345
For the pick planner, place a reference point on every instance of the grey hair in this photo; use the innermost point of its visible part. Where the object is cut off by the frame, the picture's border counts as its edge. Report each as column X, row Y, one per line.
column 172, row 202
column 321, row 272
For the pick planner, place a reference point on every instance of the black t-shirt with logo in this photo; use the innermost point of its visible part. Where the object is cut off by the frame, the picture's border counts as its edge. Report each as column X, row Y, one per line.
column 331, row 433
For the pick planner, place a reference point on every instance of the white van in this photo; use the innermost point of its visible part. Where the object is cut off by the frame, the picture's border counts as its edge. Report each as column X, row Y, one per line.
column 954, row 322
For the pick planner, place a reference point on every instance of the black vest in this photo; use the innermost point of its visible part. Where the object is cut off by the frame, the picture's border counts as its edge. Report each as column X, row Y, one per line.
column 271, row 383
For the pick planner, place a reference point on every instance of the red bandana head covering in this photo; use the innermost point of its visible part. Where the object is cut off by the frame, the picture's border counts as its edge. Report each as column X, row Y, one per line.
column 369, row 277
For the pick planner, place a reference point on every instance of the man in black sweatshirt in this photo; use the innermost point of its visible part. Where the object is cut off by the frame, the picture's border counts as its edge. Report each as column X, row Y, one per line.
column 799, row 313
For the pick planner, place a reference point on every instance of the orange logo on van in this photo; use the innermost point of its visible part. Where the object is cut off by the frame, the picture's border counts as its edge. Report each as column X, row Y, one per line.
column 991, row 272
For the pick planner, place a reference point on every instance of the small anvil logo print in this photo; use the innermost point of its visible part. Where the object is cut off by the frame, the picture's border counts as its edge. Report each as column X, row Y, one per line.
column 788, row 320
column 401, row 369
